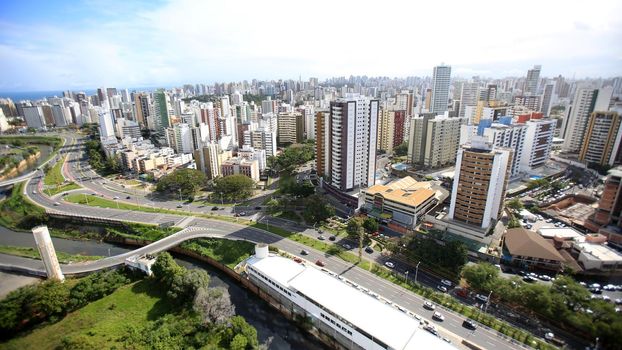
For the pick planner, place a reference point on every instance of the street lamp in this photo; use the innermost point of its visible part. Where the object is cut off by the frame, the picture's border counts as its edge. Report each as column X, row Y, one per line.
column 406, row 276
column 487, row 302
column 417, row 271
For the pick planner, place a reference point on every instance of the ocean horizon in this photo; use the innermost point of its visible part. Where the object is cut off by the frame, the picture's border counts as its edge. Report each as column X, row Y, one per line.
column 17, row 96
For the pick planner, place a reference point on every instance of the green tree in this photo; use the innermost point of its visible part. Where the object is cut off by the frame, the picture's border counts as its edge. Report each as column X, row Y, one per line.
column 354, row 225
column 185, row 285
column 370, row 225
column 239, row 342
column 165, row 268
column 515, row 204
column 51, row 299
column 214, row 305
column 317, row 209
column 188, row 181
column 401, row 150
column 481, row 276
column 513, row 223
column 273, row 206
column 238, row 325
column 234, row 187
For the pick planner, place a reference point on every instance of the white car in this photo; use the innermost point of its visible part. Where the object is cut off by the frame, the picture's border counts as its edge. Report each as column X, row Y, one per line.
column 389, row 264
column 446, row 282
column 428, row 305
column 437, row 316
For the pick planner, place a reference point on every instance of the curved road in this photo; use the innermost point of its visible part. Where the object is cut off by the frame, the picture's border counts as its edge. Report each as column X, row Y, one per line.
column 198, row 227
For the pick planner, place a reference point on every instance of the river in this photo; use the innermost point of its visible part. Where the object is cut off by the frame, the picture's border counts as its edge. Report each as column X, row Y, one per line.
column 45, row 153
column 268, row 322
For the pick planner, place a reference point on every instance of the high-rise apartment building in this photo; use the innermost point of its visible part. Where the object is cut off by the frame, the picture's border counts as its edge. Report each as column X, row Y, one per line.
column 441, row 79
column 390, row 129
column 480, row 182
column 547, row 99
column 511, row 137
column 353, row 123
column 532, row 102
column 106, row 126
column 609, row 211
column 586, row 100
column 538, row 143
column 468, row 96
column 602, row 139
column 290, row 128
column 322, row 151
column 161, row 102
column 209, row 157
column 261, row 139
column 179, row 138
column 434, row 140
column 142, row 104
column 531, row 83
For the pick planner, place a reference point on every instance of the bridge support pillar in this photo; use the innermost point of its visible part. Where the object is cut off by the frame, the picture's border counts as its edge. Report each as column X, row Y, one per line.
column 48, row 253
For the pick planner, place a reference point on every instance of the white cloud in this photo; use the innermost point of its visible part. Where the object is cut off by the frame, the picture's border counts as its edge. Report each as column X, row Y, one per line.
column 198, row 41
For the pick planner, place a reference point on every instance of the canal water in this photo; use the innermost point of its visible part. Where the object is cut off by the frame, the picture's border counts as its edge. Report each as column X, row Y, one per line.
column 269, row 323
column 45, row 153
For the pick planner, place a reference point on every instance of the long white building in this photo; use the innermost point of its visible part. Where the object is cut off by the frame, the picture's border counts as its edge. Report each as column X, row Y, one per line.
column 355, row 319
column 353, row 123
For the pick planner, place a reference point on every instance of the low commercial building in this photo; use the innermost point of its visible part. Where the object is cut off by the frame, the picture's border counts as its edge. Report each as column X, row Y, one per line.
column 527, row 249
column 141, row 262
column 403, row 202
column 597, row 257
column 353, row 318
column 242, row 166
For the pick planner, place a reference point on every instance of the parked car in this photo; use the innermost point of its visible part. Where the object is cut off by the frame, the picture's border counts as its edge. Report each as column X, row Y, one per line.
column 320, row 263
column 332, row 238
column 442, row 288
column 389, row 264
column 369, row 250
column 446, row 282
column 481, row 298
column 298, row 260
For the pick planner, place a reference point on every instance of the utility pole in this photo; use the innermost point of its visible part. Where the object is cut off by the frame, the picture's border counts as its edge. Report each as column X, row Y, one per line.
column 417, row 271
column 361, row 235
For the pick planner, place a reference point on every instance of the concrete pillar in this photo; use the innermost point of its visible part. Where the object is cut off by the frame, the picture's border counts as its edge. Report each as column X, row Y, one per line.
column 48, row 254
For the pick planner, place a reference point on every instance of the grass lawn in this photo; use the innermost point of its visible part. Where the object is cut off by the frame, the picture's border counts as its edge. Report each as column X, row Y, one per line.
column 29, row 252
column 17, row 212
column 54, row 176
column 50, row 191
column 227, row 252
column 103, row 323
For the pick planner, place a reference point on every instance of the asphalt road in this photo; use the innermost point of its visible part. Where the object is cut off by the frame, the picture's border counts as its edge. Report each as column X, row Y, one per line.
column 77, row 170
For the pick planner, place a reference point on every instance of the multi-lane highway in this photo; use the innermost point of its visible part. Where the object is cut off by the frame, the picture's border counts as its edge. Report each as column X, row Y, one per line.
column 77, row 170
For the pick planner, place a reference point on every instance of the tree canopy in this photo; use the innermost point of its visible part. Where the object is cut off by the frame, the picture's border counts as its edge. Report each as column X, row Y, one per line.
column 317, row 209
column 292, row 156
column 234, row 187
column 401, row 150
column 189, row 181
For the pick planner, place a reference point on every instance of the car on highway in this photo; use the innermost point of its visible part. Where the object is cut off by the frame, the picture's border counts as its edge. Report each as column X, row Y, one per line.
column 320, row 263
column 389, row 264
column 369, row 249
column 438, row 316
column 243, row 213
column 446, row 282
column 469, row 323
column 56, row 204
column 128, row 197
column 442, row 288
column 304, row 252
column 545, row 277
column 34, row 192
column 179, row 206
column 428, row 305
column 214, row 208
column 321, row 238
column 257, row 208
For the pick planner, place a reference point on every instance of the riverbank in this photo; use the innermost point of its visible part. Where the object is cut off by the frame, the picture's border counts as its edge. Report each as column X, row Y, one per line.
column 21, row 166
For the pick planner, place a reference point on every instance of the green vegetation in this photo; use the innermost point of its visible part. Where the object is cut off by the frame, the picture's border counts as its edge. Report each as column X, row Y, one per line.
column 52, row 300
column 229, row 253
column 96, row 155
column 17, row 212
column 515, row 204
column 291, row 157
column 19, row 141
column 33, row 253
column 447, row 257
column 184, row 182
column 317, row 209
column 564, row 303
column 55, row 180
column 234, row 187
column 401, row 150
column 289, row 185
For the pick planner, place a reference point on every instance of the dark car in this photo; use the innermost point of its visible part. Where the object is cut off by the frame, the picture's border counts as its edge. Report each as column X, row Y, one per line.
column 257, row 208
column 470, row 324
column 128, row 197
column 304, row 252
column 332, row 238
column 214, row 208
column 369, row 250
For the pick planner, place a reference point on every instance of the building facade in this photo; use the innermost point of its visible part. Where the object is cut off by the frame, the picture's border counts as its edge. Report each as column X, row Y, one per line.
column 441, row 78
column 602, row 138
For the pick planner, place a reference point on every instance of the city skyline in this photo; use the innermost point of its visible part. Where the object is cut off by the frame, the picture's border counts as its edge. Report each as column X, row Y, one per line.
column 58, row 45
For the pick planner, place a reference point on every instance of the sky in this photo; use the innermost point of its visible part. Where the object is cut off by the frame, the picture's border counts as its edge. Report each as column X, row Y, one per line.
column 49, row 45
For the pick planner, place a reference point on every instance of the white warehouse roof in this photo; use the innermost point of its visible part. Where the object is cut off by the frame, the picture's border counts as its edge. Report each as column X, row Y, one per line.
column 382, row 321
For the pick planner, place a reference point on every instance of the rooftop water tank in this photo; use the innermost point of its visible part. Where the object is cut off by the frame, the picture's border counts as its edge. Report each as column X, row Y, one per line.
column 261, row 251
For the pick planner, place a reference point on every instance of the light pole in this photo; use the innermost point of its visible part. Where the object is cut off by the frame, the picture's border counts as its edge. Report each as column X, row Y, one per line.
column 86, row 199
column 180, row 195
column 406, row 276
column 417, row 271
column 266, row 223
column 117, row 201
column 487, row 302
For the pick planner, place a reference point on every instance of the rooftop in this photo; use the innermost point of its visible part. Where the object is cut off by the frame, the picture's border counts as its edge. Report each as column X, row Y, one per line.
column 599, row 251
column 566, row 233
column 382, row 321
column 522, row 242
column 407, row 191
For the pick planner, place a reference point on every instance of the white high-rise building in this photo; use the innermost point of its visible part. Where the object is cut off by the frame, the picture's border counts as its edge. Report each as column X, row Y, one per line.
column 441, row 79
column 468, row 97
column 586, row 101
column 538, row 143
column 353, row 122
column 548, row 98
column 34, row 117
column 4, row 123
column 180, row 138
column 512, row 137
column 106, row 126
column 309, row 114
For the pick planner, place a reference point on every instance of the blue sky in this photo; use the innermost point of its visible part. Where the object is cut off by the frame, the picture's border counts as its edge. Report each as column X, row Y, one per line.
column 47, row 45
